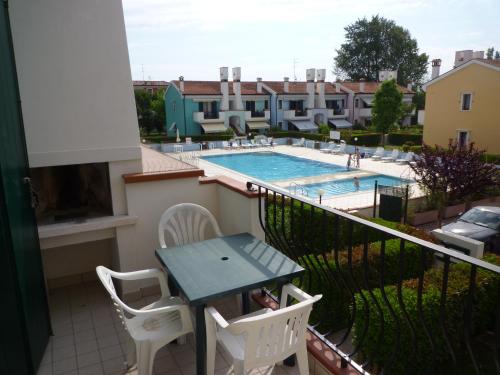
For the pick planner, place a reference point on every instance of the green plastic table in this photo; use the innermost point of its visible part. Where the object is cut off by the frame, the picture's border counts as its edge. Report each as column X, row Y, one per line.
column 211, row 269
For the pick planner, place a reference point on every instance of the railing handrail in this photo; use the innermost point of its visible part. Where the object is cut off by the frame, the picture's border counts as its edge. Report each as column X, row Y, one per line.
column 429, row 245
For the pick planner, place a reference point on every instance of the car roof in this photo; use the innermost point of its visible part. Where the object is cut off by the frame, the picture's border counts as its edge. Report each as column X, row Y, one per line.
column 489, row 208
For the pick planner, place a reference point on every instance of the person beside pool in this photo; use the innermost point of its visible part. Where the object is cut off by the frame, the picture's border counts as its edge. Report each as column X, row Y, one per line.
column 355, row 181
column 349, row 160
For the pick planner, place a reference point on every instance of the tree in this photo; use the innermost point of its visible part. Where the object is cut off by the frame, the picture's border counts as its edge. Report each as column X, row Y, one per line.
column 490, row 53
column 379, row 44
column 387, row 106
column 419, row 100
column 150, row 110
column 453, row 175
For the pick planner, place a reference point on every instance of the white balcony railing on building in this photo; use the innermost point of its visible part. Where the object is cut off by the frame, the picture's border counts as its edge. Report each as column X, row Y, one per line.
column 365, row 112
column 257, row 115
column 293, row 114
column 207, row 118
column 343, row 113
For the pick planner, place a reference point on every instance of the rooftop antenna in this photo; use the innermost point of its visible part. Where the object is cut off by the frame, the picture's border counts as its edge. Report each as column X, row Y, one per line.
column 295, row 61
column 142, row 66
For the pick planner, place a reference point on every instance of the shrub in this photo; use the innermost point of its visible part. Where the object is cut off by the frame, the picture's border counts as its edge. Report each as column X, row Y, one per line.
column 491, row 158
column 400, row 138
column 195, row 138
column 365, row 139
column 324, row 129
column 344, row 277
column 420, row 358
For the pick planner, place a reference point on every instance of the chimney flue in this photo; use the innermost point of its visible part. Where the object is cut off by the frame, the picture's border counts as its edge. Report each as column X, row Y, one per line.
column 362, row 86
column 286, row 84
column 436, row 66
column 310, row 73
column 320, row 87
column 181, row 83
column 238, row 103
column 224, row 88
column 259, row 85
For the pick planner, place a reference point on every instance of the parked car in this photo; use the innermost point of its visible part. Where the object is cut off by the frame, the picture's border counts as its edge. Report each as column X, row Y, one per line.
column 481, row 223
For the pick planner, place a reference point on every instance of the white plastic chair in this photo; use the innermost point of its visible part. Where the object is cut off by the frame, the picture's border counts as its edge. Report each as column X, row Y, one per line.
column 152, row 326
column 262, row 338
column 340, row 149
column 407, row 159
column 186, row 223
column 300, row 143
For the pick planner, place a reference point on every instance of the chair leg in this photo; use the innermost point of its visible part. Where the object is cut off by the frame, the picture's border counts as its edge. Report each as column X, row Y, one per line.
column 302, row 361
column 131, row 353
column 145, row 357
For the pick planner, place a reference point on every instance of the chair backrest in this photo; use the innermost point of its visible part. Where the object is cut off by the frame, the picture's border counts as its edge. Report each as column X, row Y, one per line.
column 225, row 144
column 409, row 156
column 342, row 147
column 189, row 140
column 105, row 275
column 395, row 153
column 379, row 151
column 273, row 336
column 186, row 223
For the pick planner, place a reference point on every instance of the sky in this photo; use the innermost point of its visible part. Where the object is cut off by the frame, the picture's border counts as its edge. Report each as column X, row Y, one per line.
column 269, row 38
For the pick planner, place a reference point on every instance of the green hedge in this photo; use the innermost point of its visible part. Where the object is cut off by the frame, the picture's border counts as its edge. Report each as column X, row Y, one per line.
column 337, row 280
column 421, row 359
column 491, row 158
column 364, row 139
column 194, row 138
column 294, row 134
column 399, row 139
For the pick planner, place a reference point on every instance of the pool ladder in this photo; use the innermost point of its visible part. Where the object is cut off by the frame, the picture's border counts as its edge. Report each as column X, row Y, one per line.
column 295, row 187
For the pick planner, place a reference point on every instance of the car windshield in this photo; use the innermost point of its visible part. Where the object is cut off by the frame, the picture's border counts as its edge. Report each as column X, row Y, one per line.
column 482, row 217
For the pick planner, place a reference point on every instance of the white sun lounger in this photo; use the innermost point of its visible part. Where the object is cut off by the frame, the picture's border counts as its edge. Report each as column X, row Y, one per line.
column 340, row 149
column 407, row 159
column 379, row 153
column 330, row 148
column 300, row 143
column 394, row 155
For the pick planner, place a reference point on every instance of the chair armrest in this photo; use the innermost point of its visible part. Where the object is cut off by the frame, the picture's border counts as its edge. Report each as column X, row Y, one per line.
column 155, row 311
column 293, row 291
column 153, row 273
column 213, row 314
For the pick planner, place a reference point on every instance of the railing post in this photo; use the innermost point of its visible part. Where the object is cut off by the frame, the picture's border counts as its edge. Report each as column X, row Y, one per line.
column 375, row 199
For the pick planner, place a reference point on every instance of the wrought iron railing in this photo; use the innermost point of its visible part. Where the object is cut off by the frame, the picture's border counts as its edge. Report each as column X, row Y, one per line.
column 393, row 303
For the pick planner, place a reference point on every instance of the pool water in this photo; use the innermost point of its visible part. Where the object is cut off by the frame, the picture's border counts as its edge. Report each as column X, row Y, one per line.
column 346, row 186
column 272, row 166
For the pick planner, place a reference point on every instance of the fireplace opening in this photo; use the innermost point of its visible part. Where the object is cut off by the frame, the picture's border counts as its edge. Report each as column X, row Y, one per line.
column 72, row 192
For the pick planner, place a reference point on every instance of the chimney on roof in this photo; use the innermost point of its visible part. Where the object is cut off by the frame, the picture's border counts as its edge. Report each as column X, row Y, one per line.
column 361, row 85
column 286, row 84
column 259, row 85
column 224, row 88
column 320, row 87
column 310, row 73
column 181, row 83
column 238, row 103
column 337, row 86
column 436, row 66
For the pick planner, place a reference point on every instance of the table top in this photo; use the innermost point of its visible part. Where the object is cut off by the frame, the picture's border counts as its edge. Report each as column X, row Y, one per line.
column 227, row 265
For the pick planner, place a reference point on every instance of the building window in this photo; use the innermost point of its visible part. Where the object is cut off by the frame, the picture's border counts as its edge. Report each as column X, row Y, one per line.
column 150, row 90
column 266, row 104
column 280, row 124
column 356, row 103
column 463, row 138
column 466, row 103
column 280, row 104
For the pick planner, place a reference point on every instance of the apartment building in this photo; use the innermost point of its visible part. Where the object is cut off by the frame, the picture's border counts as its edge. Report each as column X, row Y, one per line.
column 361, row 95
column 462, row 104
column 206, row 107
column 302, row 106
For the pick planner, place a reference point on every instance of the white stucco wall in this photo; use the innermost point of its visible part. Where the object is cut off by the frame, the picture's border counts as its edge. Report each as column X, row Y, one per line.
column 75, row 82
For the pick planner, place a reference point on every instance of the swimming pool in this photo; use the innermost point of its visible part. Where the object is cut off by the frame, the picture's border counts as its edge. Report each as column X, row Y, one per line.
column 346, row 186
column 273, row 166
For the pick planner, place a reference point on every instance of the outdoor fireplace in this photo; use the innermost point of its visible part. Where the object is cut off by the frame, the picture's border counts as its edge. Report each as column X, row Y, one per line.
column 71, row 192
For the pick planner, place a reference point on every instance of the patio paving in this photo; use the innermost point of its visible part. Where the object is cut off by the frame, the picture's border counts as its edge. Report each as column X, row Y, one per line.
column 89, row 338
